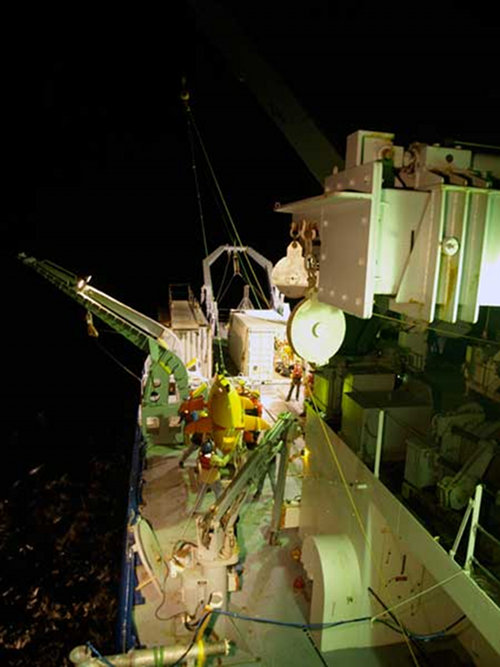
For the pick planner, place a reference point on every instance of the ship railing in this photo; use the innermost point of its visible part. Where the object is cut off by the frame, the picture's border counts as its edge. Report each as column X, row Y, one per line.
column 472, row 511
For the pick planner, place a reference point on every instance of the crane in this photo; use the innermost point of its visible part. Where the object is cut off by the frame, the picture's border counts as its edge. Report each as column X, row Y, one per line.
column 165, row 382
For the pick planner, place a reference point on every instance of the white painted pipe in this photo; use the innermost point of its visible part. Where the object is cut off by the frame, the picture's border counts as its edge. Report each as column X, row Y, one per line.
column 149, row 657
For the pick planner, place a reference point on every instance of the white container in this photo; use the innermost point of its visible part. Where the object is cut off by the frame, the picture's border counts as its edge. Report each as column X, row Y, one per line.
column 251, row 339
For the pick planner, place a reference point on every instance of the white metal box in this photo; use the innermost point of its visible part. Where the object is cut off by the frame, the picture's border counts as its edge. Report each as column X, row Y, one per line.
column 251, row 342
column 404, row 415
column 331, row 382
column 369, row 379
column 420, row 468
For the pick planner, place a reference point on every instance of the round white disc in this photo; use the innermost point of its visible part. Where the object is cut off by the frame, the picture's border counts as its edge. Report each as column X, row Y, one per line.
column 316, row 330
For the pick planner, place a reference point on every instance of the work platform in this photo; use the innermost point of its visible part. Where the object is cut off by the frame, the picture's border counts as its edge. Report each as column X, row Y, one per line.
column 272, row 582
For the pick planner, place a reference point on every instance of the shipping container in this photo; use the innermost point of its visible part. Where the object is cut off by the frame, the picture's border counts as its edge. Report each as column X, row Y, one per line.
column 252, row 339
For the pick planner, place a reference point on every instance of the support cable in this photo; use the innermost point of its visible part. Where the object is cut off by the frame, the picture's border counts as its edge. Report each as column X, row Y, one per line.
column 227, row 287
column 99, row 655
column 234, row 241
column 259, row 286
column 437, row 330
column 223, row 277
column 117, row 361
column 193, row 640
column 356, row 513
column 219, row 191
column 298, row 625
column 220, row 208
column 195, row 174
column 388, row 611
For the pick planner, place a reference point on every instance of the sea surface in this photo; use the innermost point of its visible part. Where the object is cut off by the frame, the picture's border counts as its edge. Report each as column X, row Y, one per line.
column 67, row 430
column 62, row 522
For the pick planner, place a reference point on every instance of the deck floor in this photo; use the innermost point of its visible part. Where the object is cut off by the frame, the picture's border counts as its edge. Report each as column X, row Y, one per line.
column 269, row 579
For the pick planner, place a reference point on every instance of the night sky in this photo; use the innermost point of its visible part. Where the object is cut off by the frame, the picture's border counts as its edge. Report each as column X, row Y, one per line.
column 98, row 178
column 99, row 175
column 98, row 166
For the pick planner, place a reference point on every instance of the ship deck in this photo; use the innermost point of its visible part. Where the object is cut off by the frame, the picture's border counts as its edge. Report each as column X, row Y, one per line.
column 273, row 584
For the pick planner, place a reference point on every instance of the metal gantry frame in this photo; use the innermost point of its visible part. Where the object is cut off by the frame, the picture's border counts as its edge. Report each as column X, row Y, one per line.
column 210, row 302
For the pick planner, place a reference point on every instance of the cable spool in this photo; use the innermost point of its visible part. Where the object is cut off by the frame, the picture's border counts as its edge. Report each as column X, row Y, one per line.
column 316, row 330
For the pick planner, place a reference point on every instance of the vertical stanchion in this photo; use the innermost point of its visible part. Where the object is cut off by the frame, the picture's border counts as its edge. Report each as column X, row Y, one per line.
column 378, row 446
column 473, row 527
column 461, row 530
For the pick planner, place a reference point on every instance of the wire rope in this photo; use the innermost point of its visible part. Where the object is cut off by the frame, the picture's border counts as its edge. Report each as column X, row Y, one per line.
column 197, row 185
column 259, row 286
column 445, row 332
column 220, row 208
column 356, row 513
column 219, row 200
column 219, row 191
column 234, row 242
column 117, row 361
column 223, row 277
column 334, row 624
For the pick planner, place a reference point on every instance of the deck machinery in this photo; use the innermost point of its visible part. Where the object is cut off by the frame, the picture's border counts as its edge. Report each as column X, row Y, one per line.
column 397, row 529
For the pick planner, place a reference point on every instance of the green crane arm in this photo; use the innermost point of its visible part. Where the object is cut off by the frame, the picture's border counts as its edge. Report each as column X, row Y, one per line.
column 224, row 512
column 144, row 332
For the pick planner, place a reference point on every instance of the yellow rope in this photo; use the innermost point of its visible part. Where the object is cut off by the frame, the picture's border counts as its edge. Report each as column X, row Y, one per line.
column 356, row 513
column 417, row 595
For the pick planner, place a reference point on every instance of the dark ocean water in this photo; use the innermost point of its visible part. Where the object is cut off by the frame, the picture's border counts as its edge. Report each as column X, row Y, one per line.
column 62, row 526
column 67, row 433
column 67, row 424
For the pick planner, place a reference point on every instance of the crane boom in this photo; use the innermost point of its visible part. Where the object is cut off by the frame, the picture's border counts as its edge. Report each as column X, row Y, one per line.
column 273, row 94
column 158, row 403
column 223, row 513
column 134, row 326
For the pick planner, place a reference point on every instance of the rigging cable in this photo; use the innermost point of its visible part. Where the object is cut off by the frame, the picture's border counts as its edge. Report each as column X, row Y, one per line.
column 185, row 98
column 221, row 196
column 394, row 618
column 356, row 512
column 127, row 370
column 99, row 655
column 234, row 241
column 445, row 332
column 334, row 624
column 227, row 287
column 193, row 640
column 217, row 298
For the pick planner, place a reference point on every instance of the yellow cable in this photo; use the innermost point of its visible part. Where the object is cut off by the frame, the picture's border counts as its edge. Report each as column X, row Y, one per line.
column 201, row 653
column 417, row 595
column 199, row 637
column 356, row 513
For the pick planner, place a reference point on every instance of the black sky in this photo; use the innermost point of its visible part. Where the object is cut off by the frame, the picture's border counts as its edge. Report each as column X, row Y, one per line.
column 97, row 155
column 96, row 142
